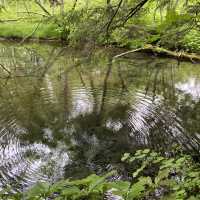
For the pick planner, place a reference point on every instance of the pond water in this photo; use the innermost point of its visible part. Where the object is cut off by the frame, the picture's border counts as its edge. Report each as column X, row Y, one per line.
column 64, row 113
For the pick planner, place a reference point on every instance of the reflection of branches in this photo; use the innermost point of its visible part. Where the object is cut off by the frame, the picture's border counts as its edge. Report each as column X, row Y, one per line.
column 66, row 95
column 51, row 60
column 124, row 87
column 159, row 80
column 34, row 52
column 172, row 81
column 155, row 82
column 121, row 78
column 80, row 75
column 148, row 81
column 94, row 94
column 105, row 87
column 5, row 69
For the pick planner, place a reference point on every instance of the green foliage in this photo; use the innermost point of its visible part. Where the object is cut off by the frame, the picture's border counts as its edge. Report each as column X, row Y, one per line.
column 191, row 42
column 167, row 23
column 176, row 177
column 123, row 37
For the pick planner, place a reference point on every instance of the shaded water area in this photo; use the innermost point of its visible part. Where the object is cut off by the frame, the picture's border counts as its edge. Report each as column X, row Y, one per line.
column 66, row 114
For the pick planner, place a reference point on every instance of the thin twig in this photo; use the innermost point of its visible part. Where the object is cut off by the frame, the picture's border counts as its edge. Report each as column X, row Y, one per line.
column 35, row 13
column 42, row 7
column 36, row 28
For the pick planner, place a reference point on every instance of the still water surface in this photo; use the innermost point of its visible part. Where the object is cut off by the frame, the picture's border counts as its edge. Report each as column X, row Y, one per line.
column 66, row 114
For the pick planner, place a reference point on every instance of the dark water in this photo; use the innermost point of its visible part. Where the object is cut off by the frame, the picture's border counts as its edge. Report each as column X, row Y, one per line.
column 66, row 114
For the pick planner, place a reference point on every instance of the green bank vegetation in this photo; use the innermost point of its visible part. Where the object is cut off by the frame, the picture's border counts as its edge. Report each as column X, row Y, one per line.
column 134, row 24
column 172, row 24
column 154, row 176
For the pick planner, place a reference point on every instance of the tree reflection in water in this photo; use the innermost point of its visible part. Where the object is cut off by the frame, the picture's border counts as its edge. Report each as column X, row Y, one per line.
column 62, row 113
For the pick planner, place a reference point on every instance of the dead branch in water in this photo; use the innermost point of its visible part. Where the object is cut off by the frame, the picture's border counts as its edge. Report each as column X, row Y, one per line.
column 164, row 52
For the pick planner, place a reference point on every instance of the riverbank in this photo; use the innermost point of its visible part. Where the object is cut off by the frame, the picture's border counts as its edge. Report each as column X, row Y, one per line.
column 147, row 49
column 78, row 24
column 49, row 32
column 29, row 30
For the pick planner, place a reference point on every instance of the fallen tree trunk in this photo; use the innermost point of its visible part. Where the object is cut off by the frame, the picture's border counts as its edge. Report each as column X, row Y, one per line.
column 182, row 56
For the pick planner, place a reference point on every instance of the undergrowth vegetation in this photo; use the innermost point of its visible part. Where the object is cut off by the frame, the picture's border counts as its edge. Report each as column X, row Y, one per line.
column 172, row 24
column 151, row 176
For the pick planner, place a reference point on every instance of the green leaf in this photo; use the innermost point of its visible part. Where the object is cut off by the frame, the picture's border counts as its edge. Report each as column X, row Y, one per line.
column 71, row 191
column 86, row 181
column 125, row 157
column 167, row 163
column 161, row 175
column 153, row 154
column 180, row 161
column 140, row 156
column 119, row 187
column 146, row 151
column 98, row 184
column 132, row 159
column 57, row 187
column 135, row 174
column 40, row 189
column 138, row 152
column 137, row 190
column 158, row 159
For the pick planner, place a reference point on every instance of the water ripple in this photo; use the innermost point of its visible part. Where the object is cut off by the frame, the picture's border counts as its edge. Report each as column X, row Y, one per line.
column 24, row 164
column 150, row 120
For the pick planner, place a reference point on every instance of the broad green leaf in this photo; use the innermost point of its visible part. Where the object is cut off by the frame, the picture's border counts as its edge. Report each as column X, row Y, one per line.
column 162, row 175
column 59, row 186
column 138, row 152
column 119, row 187
column 167, row 163
column 98, row 184
column 158, row 159
column 138, row 188
column 86, row 181
column 125, row 157
column 146, row 151
column 71, row 191
column 135, row 174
